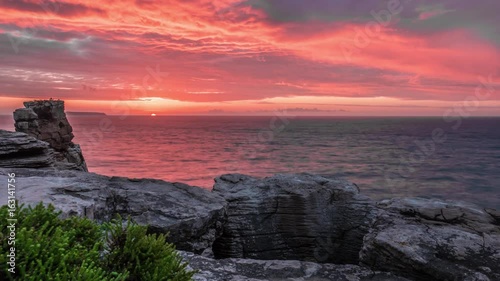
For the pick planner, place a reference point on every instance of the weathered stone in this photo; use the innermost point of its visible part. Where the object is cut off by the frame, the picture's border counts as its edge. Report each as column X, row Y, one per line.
column 190, row 215
column 495, row 214
column 302, row 217
column 18, row 150
column 47, row 109
column 46, row 121
column 427, row 239
column 25, row 114
column 74, row 157
column 67, row 138
column 22, row 126
column 418, row 239
column 275, row 270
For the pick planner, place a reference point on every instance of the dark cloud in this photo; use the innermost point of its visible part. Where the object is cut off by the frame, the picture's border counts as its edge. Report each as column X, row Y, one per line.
column 62, row 9
column 481, row 16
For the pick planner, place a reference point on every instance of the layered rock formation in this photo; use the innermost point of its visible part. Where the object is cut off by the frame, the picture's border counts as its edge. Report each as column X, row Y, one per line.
column 308, row 217
column 190, row 215
column 434, row 240
column 46, row 121
column 303, row 217
column 417, row 239
column 18, row 150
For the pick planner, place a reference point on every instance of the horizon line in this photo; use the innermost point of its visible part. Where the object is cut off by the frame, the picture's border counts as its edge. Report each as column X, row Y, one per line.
column 254, row 115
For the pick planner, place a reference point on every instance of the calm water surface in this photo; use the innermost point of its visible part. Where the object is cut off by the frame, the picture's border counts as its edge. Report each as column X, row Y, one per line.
column 386, row 157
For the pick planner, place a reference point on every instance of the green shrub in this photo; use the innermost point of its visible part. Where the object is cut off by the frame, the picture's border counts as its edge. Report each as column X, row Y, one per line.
column 49, row 248
column 146, row 257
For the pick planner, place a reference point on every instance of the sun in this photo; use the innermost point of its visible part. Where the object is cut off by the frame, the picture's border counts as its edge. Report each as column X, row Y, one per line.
column 153, row 114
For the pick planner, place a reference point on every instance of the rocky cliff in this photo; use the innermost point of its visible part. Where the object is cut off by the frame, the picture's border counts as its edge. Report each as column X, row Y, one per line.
column 46, row 120
column 303, row 217
column 323, row 222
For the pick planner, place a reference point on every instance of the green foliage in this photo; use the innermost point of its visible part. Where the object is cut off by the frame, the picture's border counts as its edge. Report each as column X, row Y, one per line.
column 50, row 248
column 146, row 257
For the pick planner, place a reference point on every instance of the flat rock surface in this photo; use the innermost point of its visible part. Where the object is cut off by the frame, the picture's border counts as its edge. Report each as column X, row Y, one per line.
column 277, row 270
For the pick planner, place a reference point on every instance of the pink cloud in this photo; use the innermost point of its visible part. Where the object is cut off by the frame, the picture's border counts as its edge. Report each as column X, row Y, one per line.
column 230, row 51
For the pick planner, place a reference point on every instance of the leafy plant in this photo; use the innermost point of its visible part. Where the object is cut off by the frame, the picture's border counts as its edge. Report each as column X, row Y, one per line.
column 50, row 248
column 146, row 257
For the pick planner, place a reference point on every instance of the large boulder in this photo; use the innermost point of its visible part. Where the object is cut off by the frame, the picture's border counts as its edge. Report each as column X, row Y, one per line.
column 46, row 121
column 300, row 217
column 426, row 239
column 209, row 269
column 191, row 215
column 18, row 150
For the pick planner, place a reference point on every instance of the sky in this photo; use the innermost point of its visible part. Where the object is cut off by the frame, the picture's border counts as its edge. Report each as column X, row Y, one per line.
column 310, row 57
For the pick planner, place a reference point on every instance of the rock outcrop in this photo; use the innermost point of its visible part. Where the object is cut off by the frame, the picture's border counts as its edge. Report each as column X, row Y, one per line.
column 18, row 150
column 426, row 239
column 46, row 121
column 302, row 217
column 417, row 239
column 209, row 269
column 190, row 215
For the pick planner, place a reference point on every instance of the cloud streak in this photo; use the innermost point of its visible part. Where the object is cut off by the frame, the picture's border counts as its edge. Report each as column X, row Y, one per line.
column 226, row 51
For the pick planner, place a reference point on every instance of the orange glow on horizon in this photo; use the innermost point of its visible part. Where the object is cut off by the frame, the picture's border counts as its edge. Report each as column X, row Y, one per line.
column 241, row 57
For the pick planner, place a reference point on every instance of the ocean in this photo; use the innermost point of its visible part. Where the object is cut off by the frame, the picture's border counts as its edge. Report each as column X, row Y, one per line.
column 386, row 157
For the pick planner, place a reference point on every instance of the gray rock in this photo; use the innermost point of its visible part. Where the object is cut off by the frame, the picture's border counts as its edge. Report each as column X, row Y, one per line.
column 190, row 215
column 72, row 159
column 46, row 121
column 301, row 217
column 434, row 240
column 495, row 214
column 259, row 270
column 20, row 150
column 25, row 114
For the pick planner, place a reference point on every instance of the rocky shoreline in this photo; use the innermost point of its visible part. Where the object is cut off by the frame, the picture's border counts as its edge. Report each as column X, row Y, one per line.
column 285, row 227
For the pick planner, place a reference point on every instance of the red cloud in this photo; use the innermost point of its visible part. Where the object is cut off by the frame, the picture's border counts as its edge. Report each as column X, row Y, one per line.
column 228, row 51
